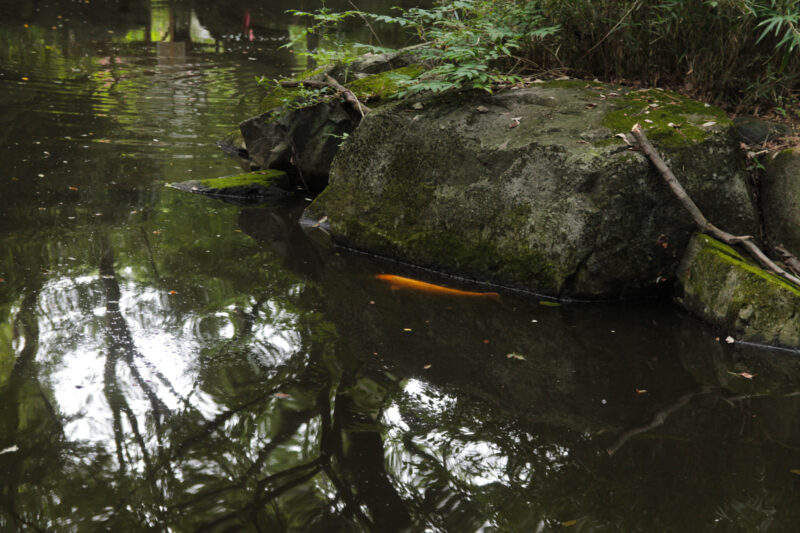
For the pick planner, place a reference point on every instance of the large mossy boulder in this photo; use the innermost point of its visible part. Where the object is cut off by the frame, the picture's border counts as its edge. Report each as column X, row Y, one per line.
column 533, row 188
column 735, row 295
column 780, row 199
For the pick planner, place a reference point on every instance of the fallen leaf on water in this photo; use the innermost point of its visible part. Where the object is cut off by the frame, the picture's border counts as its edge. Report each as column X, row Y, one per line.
column 549, row 304
column 9, row 449
column 173, row 292
column 372, row 302
column 282, row 395
column 24, row 78
column 485, row 341
column 426, row 367
column 73, row 188
column 745, row 375
column 795, row 471
column 569, row 523
column 641, row 391
column 513, row 355
column 406, row 329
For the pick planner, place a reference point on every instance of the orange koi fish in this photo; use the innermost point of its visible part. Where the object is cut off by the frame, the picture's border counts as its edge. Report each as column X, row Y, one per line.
column 399, row 282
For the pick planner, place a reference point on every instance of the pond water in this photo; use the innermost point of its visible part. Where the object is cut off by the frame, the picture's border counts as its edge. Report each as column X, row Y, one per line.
column 169, row 362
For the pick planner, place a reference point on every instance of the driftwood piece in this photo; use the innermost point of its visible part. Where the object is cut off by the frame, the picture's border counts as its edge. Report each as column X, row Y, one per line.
column 697, row 216
column 333, row 84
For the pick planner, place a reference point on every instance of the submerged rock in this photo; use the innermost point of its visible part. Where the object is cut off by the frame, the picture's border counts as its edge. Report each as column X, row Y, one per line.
column 251, row 187
column 735, row 295
column 533, row 188
column 780, row 199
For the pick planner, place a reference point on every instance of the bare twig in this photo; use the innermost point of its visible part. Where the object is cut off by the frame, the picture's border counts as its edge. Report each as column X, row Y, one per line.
column 348, row 95
column 366, row 21
column 697, row 216
column 333, row 84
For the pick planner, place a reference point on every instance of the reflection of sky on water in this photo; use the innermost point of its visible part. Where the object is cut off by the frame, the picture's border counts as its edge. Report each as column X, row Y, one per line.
column 74, row 343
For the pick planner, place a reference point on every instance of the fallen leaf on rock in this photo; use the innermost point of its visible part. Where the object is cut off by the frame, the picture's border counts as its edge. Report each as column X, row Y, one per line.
column 482, row 109
column 10, row 449
column 745, row 375
column 624, row 138
column 418, row 105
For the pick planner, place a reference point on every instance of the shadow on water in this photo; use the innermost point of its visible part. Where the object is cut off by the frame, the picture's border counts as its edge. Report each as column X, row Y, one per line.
column 170, row 362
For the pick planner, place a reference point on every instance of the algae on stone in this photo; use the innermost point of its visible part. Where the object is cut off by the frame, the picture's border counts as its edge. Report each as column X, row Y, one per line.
column 737, row 296
column 262, row 184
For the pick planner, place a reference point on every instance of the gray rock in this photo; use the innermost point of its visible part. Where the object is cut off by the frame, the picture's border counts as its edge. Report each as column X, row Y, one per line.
column 305, row 139
column 754, row 130
column 780, row 199
column 537, row 192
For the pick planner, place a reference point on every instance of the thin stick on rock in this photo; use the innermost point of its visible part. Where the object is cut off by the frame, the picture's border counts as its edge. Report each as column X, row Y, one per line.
column 697, row 216
column 333, row 84
column 348, row 95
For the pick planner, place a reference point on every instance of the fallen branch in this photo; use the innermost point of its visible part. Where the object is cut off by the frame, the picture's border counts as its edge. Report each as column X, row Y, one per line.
column 697, row 216
column 333, row 84
column 348, row 95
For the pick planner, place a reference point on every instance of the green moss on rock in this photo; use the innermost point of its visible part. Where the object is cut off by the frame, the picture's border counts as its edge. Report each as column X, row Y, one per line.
column 737, row 296
column 385, row 84
column 265, row 178
column 663, row 108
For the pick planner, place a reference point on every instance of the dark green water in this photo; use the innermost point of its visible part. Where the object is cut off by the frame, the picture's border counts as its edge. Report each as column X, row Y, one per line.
column 172, row 363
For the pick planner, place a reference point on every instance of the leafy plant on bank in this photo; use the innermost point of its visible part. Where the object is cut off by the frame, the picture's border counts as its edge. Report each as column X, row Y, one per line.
column 731, row 52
